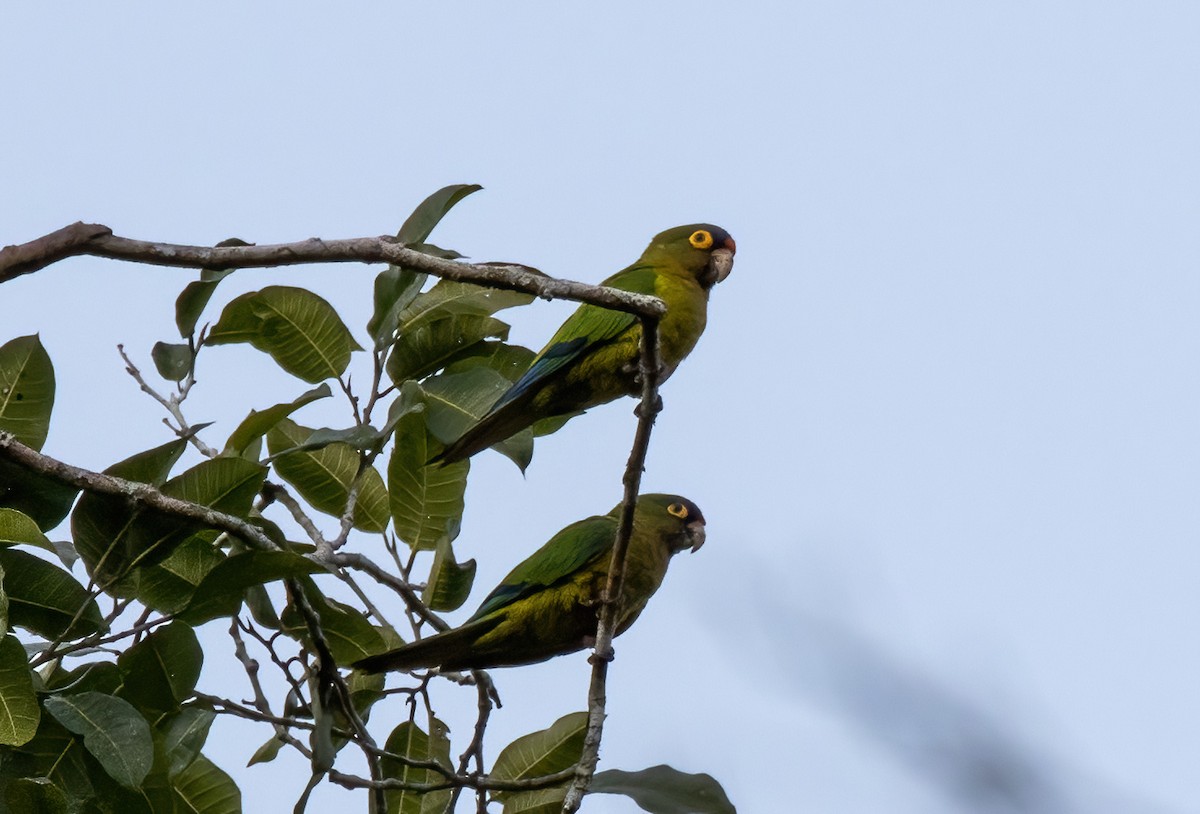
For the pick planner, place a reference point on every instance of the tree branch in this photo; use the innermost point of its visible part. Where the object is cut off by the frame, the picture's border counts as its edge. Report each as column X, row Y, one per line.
column 99, row 241
column 647, row 411
column 142, row 493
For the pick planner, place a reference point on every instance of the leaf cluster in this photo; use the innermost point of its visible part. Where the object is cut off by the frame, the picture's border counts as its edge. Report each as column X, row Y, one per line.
column 99, row 705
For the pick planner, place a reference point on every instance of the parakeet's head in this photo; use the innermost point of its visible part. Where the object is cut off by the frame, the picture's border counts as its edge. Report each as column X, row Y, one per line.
column 701, row 248
column 676, row 519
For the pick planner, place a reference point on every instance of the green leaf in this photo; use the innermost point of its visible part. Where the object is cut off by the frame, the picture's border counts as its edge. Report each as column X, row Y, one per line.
column 95, row 676
column 456, row 401
column 449, row 581
column 323, row 477
column 420, row 224
column 26, row 390
column 220, row 594
column 57, row 754
column 227, row 485
column 267, row 752
column 428, row 347
column 113, row 732
column 19, row 712
column 663, row 790
column 160, row 671
column 184, row 737
column 408, row 740
column 205, row 789
column 541, row 801
column 348, row 633
column 195, row 295
column 453, row 298
column 259, row 423
column 47, row 600
column 38, row 795
column 395, row 288
column 426, row 500
column 510, row 361
column 540, row 753
column 18, row 528
column 173, row 361
column 41, row 497
column 301, row 331
column 100, row 524
column 168, row 586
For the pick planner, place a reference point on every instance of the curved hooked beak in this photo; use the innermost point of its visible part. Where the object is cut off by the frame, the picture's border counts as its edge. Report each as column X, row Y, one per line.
column 720, row 263
column 695, row 534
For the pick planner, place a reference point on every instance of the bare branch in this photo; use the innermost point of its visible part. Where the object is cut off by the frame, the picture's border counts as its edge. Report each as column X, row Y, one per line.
column 99, row 241
column 647, row 411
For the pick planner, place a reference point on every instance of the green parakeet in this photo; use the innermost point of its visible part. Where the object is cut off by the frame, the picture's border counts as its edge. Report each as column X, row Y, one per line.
column 547, row 605
column 592, row 359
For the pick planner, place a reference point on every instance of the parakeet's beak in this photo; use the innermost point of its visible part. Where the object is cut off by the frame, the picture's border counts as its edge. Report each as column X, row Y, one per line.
column 720, row 263
column 695, row 534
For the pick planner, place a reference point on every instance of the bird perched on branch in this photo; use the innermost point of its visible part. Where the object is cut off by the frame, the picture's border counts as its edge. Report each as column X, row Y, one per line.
column 592, row 359
column 548, row 605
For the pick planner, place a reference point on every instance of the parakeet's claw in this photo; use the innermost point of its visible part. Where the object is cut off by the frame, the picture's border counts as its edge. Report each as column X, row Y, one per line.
column 655, row 408
column 609, row 655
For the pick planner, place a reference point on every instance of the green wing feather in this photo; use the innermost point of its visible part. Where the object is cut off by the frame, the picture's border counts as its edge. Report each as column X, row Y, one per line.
column 563, row 555
column 587, row 327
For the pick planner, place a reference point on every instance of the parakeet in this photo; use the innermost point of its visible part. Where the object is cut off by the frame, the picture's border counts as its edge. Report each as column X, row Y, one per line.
column 592, row 359
column 548, row 605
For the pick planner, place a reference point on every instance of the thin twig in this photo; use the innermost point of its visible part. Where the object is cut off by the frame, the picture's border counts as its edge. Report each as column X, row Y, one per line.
column 647, row 410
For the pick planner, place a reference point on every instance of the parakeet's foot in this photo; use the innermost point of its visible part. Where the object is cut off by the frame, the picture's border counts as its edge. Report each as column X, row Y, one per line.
column 655, row 408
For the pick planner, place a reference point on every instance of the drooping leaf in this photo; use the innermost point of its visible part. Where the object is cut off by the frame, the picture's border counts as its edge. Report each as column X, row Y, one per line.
column 17, row 528
column 100, row 524
column 113, row 732
column 168, row 586
column 184, row 737
column 408, row 740
column 173, row 361
column 26, row 390
column 449, row 582
column 540, row 753
column 260, row 422
column 47, row 600
column 220, row 594
column 456, row 401
column 206, row 789
column 663, row 790
column 19, row 711
column 426, row 500
column 323, row 477
column 160, row 671
column 300, row 330
column 195, row 295
column 395, row 288
column 428, row 347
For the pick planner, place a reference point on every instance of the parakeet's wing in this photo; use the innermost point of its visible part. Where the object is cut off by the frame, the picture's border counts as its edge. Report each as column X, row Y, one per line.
column 589, row 326
column 565, row 553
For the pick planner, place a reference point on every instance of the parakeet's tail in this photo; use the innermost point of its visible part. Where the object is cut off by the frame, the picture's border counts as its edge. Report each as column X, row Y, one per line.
column 450, row 650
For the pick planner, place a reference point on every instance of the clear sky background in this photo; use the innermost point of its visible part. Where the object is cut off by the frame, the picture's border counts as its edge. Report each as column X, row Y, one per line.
column 943, row 422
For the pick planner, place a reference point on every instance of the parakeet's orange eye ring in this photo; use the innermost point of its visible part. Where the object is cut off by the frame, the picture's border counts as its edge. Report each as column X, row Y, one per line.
column 678, row 509
column 701, row 239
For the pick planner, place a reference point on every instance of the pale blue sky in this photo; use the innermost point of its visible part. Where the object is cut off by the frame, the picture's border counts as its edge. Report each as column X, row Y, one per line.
column 945, row 414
